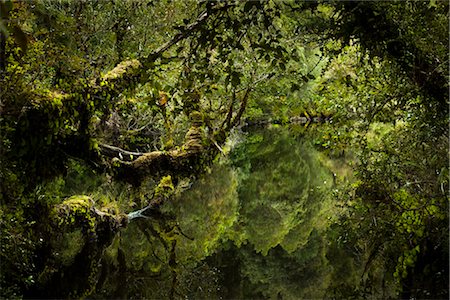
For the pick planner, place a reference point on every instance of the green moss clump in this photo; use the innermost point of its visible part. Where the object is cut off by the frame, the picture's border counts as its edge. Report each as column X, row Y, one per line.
column 75, row 211
column 193, row 139
column 165, row 187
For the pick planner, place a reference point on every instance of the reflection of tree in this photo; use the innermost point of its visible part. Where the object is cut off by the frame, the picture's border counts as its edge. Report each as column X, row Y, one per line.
column 301, row 274
column 206, row 212
column 270, row 242
column 280, row 193
column 161, row 257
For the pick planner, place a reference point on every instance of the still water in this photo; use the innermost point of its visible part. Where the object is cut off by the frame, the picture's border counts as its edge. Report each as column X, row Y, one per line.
column 255, row 226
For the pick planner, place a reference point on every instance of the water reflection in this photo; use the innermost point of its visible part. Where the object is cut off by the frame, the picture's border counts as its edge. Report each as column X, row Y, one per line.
column 251, row 227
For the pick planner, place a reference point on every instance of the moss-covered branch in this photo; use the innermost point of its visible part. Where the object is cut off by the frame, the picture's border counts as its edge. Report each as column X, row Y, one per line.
column 128, row 72
column 183, row 160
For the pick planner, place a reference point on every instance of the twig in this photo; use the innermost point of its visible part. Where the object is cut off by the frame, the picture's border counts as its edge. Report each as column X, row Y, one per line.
column 116, row 151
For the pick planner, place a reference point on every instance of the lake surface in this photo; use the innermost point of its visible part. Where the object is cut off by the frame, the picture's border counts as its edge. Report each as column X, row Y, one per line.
column 255, row 226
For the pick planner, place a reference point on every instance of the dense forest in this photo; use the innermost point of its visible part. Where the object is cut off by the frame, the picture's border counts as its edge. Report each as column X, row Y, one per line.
column 203, row 149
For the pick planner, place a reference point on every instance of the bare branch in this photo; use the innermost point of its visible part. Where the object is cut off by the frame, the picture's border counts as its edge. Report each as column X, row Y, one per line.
column 113, row 151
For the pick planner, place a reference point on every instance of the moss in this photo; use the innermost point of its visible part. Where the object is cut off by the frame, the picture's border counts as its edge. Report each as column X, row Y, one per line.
column 54, row 99
column 74, row 204
column 122, row 69
column 196, row 118
column 184, row 159
column 111, row 208
column 193, row 139
column 194, row 136
column 165, row 187
column 166, row 182
column 79, row 212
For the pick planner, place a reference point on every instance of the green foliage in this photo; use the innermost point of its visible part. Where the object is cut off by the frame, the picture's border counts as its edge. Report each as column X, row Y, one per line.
column 300, row 274
column 283, row 198
column 17, row 248
column 76, row 75
column 206, row 213
column 400, row 202
column 277, row 191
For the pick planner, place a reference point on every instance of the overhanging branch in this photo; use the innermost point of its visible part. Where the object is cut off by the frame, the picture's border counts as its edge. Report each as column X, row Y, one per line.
column 184, row 33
